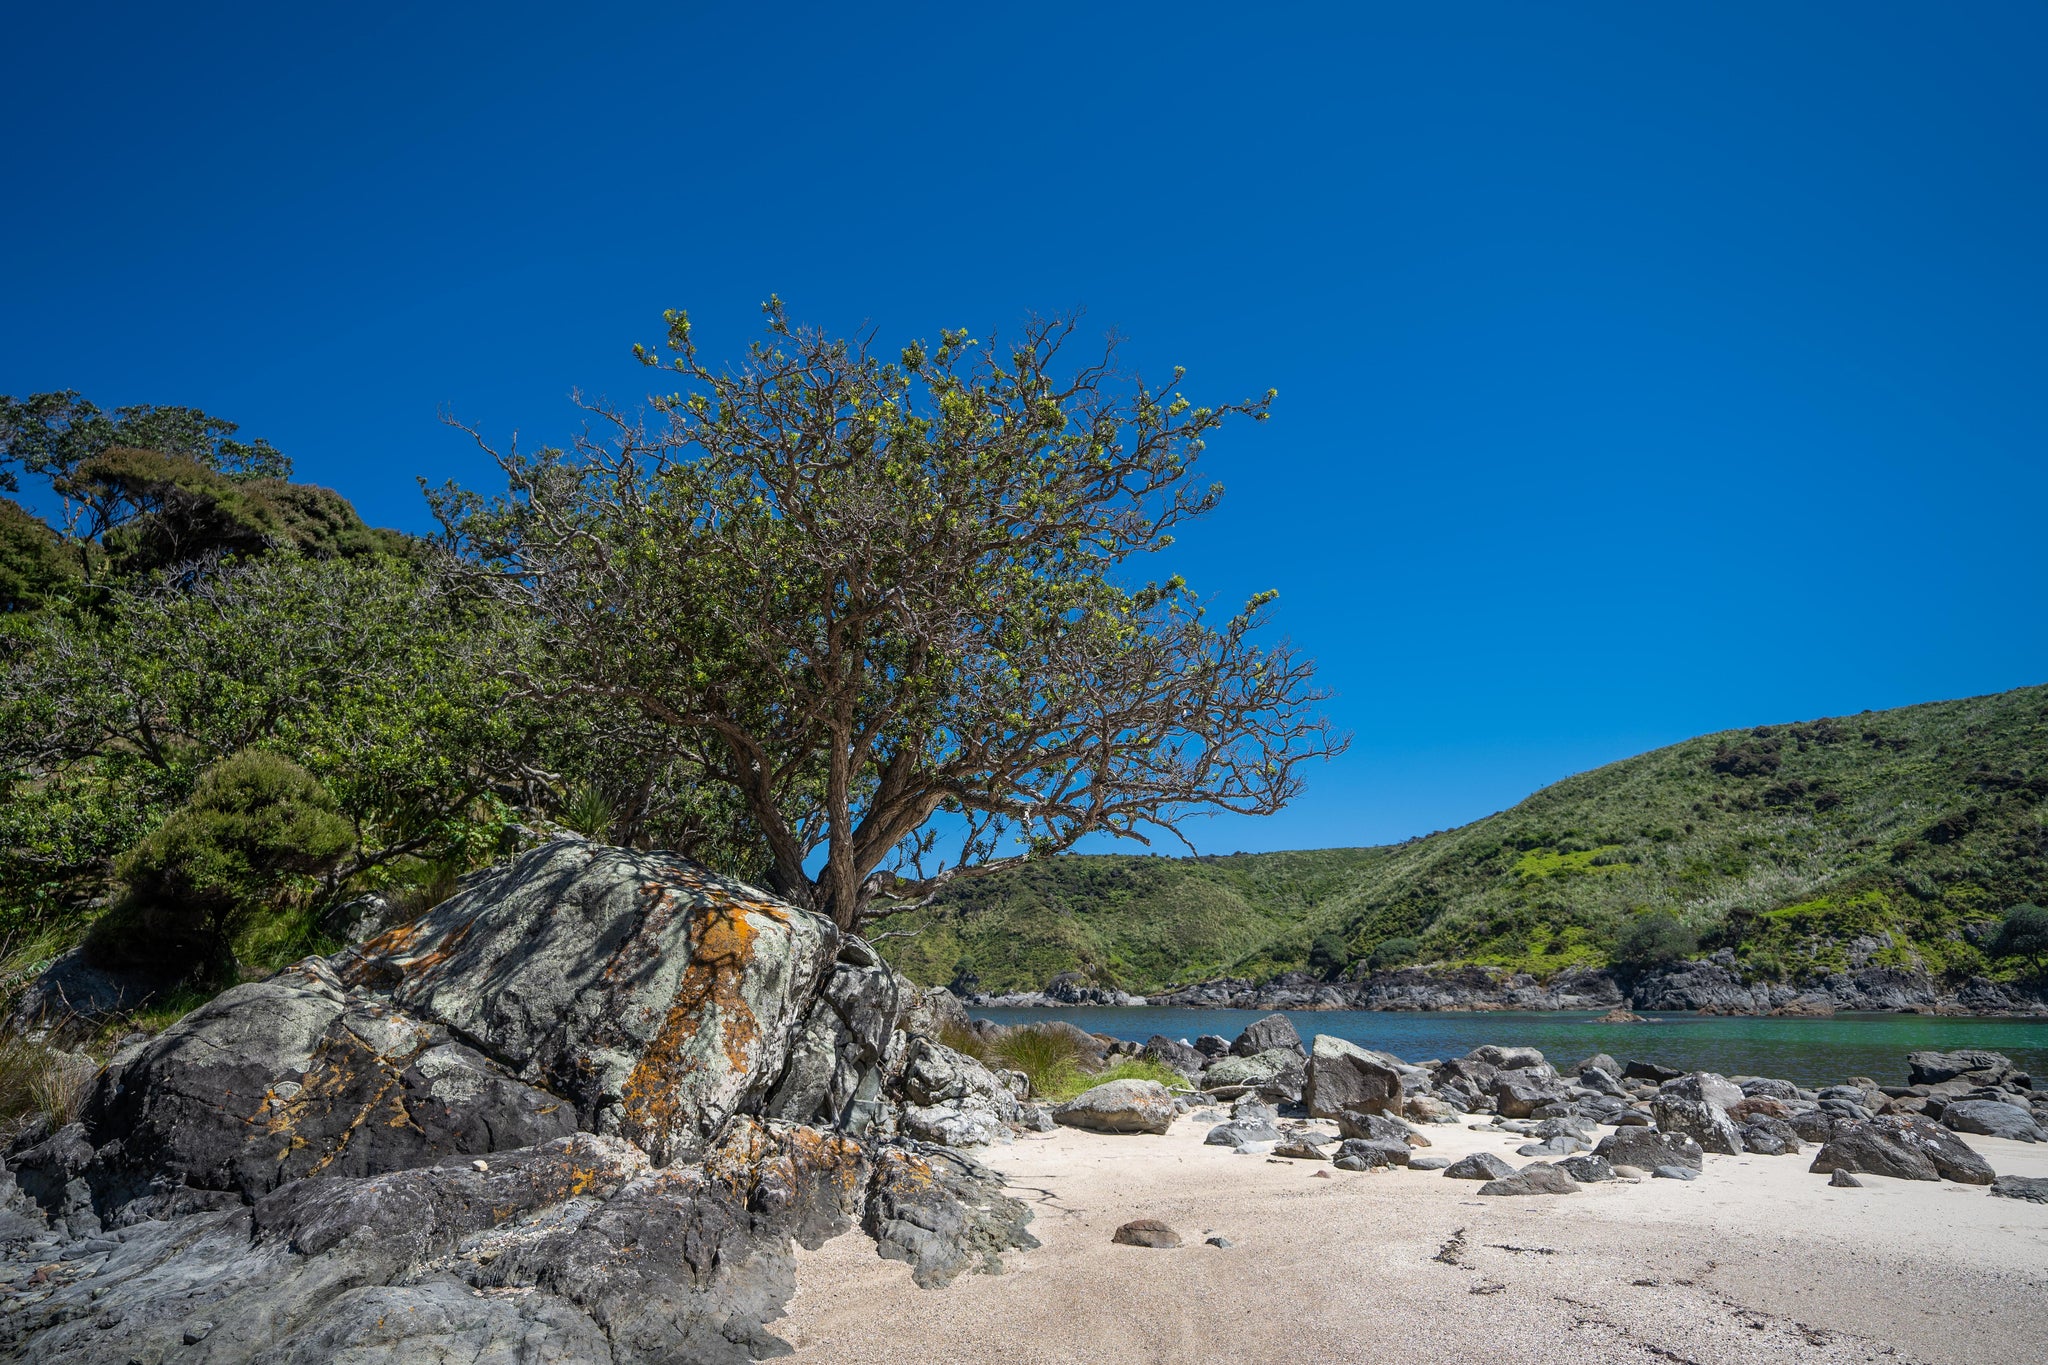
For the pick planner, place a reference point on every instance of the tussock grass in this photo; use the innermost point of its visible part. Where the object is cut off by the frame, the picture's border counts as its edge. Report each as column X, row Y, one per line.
column 39, row 1082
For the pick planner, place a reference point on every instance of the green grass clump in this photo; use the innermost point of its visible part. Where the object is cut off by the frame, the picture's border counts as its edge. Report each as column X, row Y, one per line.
column 1052, row 1060
column 1128, row 1069
column 36, row 1082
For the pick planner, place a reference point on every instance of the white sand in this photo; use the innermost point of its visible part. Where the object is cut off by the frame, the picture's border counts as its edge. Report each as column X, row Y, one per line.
column 1756, row 1260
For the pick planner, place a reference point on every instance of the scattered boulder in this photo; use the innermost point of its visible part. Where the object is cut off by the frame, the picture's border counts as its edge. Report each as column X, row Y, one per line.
column 951, row 1099
column 1842, row 1180
column 1618, row 1015
column 1271, row 1033
column 1213, row 1045
column 2029, row 1187
column 1991, row 1118
column 1241, row 1133
column 1146, row 1232
column 1649, row 1149
column 1978, row 1068
column 1343, row 1076
column 1649, row 1071
column 1252, row 1072
column 1675, row 1173
column 1519, row 1093
column 1705, row 1086
column 1428, row 1163
column 1765, row 1136
column 1302, row 1147
column 1479, row 1166
column 1905, row 1147
column 1119, row 1107
column 1703, row 1121
column 1598, row 1061
column 1588, row 1169
column 1380, row 1127
column 1365, row 1154
column 1174, row 1055
column 1428, row 1109
column 1536, row 1178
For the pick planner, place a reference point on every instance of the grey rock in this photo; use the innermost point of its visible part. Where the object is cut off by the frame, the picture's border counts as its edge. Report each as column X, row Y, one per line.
column 1982, row 1068
column 1601, row 1082
column 1704, row 1086
column 1564, row 1144
column 1519, row 1092
column 1242, row 1133
column 1905, row 1147
column 1219, row 1241
column 1812, row 1125
column 1252, row 1071
column 1302, row 1147
column 1212, row 1045
column 658, row 996
column 1479, row 1166
column 1992, row 1118
column 1763, row 1087
column 1365, row 1154
column 1599, row 1061
column 1587, row 1170
column 1381, row 1127
column 1119, row 1107
column 1649, row 1149
column 1428, row 1163
column 1842, row 1180
column 951, row 1099
column 1707, row 1123
column 1765, row 1136
column 1343, row 1076
column 1174, row 1055
column 1507, row 1058
column 1675, row 1173
column 838, row 1059
column 943, row 1213
column 2029, row 1187
column 1266, row 1035
column 1538, row 1178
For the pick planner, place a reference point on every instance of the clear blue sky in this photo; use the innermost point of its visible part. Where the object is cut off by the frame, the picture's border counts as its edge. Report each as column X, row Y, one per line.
column 1643, row 370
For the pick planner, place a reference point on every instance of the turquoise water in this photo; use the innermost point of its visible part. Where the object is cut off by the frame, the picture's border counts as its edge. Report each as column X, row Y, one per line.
column 1808, row 1051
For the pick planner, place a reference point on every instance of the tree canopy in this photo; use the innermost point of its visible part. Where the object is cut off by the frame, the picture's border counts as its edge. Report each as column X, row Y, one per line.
column 891, row 605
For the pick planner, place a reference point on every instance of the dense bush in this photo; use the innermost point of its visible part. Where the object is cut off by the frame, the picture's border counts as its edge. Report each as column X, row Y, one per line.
column 1327, row 954
column 254, row 823
column 1393, row 953
column 1655, row 939
column 2024, row 933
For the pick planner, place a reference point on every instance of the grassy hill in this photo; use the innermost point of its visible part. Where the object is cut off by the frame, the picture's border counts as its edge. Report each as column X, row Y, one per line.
column 1910, row 830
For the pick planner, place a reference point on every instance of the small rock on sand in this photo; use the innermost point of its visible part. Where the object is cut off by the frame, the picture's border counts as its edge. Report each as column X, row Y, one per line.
column 1536, row 1178
column 2029, row 1187
column 1675, row 1173
column 1479, row 1166
column 1842, row 1180
column 1146, row 1232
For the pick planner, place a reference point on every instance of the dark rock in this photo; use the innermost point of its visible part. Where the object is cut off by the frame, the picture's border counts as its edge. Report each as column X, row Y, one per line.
column 1905, row 1147
column 1766, row 1088
column 1675, row 1173
column 1302, row 1147
column 1223, row 1242
column 1842, row 1180
column 2029, row 1187
column 1174, row 1055
column 1587, row 1170
column 1428, row 1163
column 1479, row 1166
column 943, row 1212
column 951, row 1099
column 1598, row 1061
column 1380, row 1127
column 69, row 999
column 1703, row 1086
column 1649, row 1071
column 1212, row 1045
column 1538, row 1178
column 1251, row 1072
column 1701, row 1120
column 1365, row 1154
column 1812, row 1125
column 1992, row 1118
column 834, row 1075
column 1981, row 1068
column 1507, row 1058
column 1242, row 1133
column 1649, row 1149
column 1519, row 1093
column 1564, row 1144
column 1265, row 1035
column 1767, row 1136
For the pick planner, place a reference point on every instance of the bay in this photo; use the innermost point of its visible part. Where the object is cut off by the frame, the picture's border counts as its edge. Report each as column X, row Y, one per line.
column 1811, row 1052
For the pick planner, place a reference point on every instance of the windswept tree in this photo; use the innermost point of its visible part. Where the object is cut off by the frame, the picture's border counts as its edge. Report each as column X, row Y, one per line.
column 891, row 605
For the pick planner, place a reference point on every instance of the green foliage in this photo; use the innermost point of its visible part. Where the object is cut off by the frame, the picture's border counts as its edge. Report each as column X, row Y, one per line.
column 254, row 823
column 1051, row 1058
column 1327, row 954
column 1655, row 938
column 33, row 565
column 36, row 1082
column 51, row 434
column 1895, row 838
column 2024, row 933
column 589, row 811
column 1071, row 1083
column 1393, row 952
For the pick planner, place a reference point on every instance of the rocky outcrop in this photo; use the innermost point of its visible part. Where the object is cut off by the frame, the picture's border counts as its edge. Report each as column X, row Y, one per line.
column 1343, row 1076
column 1903, row 1146
column 582, row 1110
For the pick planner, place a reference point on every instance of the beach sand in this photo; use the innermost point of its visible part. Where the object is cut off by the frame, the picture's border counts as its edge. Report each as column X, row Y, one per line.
column 1756, row 1260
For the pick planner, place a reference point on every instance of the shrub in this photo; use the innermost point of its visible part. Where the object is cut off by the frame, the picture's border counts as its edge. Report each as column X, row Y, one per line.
column 254, row 822
column 2024, row 933
column 1073, row 1082
column 1654, row 939
column 1327, row 954
column 1393, row 952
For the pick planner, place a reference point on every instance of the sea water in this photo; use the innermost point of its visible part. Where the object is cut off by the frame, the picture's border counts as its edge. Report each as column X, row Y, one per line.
column 1812, row 1052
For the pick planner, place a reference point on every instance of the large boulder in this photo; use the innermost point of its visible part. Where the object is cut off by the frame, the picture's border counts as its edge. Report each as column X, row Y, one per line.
column 1119, row 1107
column 1519, row 1093
column 277, row 1080
column 1257, row 1070
column 1647, row 1149
column 1705, row 1087
column 839, row 1057
column 1479, row 1166
column 1971, row 1065
column 1903, row 1146
column 1366, row 1154
column 1266, row 1035
column 1507, row 1058
column 1345, row 1076
column 1174, row 1055
column 1538, row 1177
column 951, row 1099
column 1992, row 1118
column 657, row 996
column 1703, row 1121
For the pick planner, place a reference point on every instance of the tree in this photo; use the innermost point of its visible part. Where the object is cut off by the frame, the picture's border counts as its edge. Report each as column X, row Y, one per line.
column 1655, row 938
column 883, row 602
column 52, row 434
column 1327, row 954
column 2024, row 933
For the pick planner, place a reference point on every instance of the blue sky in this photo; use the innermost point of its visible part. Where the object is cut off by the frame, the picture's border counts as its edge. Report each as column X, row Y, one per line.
column 1643, row 370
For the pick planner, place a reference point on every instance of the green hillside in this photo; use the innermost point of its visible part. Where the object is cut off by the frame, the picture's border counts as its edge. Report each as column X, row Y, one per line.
column 1788, row 842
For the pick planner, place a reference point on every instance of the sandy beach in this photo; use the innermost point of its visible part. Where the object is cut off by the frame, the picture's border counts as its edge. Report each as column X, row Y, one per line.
column 1756, row 1260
